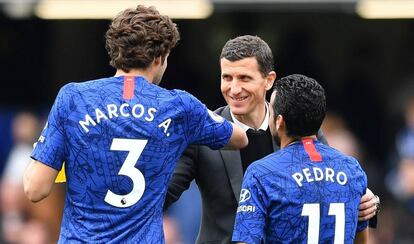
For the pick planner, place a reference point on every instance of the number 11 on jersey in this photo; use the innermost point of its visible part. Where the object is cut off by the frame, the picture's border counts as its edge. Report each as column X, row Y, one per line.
column 313, row 211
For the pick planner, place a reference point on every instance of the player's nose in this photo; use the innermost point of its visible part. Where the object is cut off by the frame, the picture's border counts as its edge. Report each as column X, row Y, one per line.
column 235, row 87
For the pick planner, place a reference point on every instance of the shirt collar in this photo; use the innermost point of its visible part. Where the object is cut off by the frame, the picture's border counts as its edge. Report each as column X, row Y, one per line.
column 245, row 127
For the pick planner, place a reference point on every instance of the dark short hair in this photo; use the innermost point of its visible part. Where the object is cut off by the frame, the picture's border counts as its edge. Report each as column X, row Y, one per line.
column 302, row 103
column 137, row 36
column 248, row 46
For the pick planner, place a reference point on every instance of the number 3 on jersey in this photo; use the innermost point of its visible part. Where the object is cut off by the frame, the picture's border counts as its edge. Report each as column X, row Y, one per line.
column 135, row 148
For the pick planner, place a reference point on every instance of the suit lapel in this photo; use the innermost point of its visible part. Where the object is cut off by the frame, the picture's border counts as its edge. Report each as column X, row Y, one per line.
column 232, row 162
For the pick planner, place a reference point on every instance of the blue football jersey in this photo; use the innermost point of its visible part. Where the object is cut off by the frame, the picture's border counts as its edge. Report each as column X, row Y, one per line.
column 120, row 142
column 307, row 192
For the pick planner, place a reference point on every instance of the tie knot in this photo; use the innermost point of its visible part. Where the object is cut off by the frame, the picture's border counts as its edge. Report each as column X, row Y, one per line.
column 255, row 132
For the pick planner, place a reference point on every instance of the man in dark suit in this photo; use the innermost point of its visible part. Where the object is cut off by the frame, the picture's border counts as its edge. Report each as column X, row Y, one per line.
column 246, row 75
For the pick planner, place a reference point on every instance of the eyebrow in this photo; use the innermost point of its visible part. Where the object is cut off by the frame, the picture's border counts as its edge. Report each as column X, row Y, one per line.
column 245, row 75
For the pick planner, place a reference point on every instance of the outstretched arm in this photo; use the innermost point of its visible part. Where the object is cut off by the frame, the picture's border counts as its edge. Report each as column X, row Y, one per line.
column 238, row 138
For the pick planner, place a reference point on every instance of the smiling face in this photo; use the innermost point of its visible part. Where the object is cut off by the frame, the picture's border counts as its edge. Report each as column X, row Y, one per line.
column 244, row 87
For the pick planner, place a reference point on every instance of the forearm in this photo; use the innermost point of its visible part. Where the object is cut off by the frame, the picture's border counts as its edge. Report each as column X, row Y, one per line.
column 238, row 138
column 38, row 181
column 362, row 237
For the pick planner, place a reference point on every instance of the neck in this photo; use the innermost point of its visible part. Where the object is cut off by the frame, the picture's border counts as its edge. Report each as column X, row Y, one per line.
column 254, row 119
column 136, row 72
column 287, row 140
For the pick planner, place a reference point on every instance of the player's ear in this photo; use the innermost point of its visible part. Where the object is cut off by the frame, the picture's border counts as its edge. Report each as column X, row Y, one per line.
column 270, row 79
column 158, row 61
column 280, row 123
column 164, row 58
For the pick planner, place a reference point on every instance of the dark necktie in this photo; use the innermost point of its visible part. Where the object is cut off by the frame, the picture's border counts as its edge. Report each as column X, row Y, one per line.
column 253, row 132
column 260, row 145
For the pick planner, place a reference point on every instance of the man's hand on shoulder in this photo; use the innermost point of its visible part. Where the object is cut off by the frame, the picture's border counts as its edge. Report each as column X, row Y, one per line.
column 369, row 206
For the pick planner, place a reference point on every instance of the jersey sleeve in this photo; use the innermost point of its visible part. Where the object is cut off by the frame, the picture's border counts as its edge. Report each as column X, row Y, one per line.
column 50, row 147
column 250, row 221
column 204, row 126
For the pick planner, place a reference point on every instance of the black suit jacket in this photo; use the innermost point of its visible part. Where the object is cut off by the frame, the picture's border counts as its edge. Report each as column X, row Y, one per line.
column 219, row 175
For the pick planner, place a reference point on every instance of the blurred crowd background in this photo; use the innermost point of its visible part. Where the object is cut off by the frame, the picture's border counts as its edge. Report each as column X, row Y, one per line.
column 364, row 60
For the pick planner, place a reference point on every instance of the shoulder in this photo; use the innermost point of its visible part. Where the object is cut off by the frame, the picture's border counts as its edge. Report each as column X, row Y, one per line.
column 73, row 91
column 279, row 163
column 183, row 95
column 278, row 158
column 332, row 154
column 220, row 110
column 224, row 112
column 262, row 174
column 189, row 102
column 177, row 92
column 269, row 164
column 79, row 86
column 99, row 83
column 66, row 92
column 69, row 87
